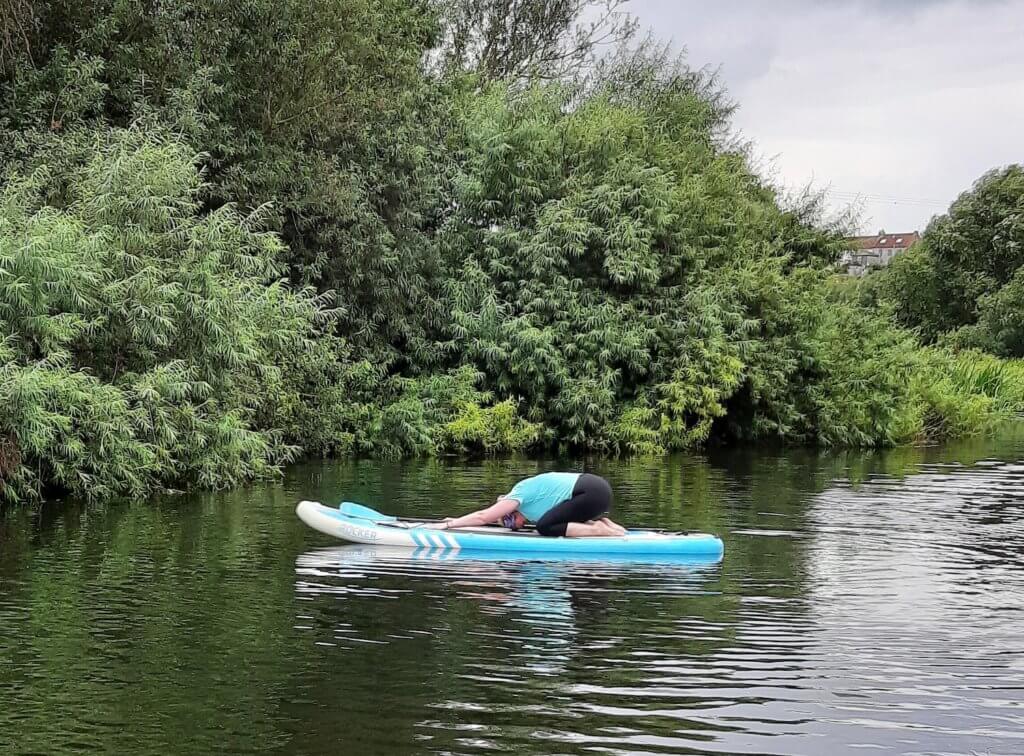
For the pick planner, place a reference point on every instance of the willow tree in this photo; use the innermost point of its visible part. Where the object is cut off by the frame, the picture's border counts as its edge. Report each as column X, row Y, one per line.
column 140, row 340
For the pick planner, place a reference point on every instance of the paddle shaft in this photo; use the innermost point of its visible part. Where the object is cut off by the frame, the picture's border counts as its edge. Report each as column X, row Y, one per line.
column 371, row 515
column 527, row 526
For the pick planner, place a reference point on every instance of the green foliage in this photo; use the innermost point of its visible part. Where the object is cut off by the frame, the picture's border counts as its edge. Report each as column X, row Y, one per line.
column 231, row 233
column 17, row 18
column 488, row 429
column 1000, row 325
column 965, row 393
column 966, row 270
column 859, row 397
column 148, row 344
column 519, row 39
column 617, row 268
column 315, row 109
column 136, row 333
column 1002, row 381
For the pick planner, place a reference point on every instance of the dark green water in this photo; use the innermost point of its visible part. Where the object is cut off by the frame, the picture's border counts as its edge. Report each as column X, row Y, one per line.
column 867, row 603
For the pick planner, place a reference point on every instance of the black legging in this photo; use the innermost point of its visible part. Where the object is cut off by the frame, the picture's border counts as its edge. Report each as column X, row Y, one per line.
column 591, row 499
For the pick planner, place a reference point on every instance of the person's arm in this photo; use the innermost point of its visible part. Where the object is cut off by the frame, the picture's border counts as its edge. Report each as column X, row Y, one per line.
column 493, row 513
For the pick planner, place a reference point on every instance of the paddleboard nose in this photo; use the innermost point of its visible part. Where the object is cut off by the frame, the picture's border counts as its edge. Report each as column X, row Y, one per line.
column 304, row 508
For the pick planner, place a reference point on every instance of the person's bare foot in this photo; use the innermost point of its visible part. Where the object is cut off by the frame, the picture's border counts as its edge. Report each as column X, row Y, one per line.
column 591, row 529
column 614, row 528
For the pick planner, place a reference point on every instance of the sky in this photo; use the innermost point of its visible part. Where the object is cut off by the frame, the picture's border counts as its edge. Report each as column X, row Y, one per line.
column 895, row 105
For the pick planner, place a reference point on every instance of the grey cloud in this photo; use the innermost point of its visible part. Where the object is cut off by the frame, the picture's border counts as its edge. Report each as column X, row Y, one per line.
column 905, row 102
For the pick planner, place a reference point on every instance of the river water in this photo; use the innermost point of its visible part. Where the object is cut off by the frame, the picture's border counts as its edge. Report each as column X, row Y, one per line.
column 867, row 603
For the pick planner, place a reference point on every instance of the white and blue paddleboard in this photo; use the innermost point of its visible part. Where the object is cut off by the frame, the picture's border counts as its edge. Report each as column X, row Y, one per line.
column 360, row 524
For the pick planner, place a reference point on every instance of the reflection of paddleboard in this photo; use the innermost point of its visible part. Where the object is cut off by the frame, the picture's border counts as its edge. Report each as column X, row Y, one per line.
column 360, row 524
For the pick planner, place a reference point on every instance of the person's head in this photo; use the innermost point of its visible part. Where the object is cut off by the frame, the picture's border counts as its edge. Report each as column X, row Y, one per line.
column 513, row 520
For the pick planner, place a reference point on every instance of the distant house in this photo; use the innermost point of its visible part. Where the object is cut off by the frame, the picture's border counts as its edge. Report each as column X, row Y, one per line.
column 876, row 251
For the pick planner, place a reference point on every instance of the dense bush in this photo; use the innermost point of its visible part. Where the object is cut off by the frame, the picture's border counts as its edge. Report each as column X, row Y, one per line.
column 640, row 288
column 137, row 333
column 231, row 233
column 317, row 110
column 966, row 271
column 146, row 344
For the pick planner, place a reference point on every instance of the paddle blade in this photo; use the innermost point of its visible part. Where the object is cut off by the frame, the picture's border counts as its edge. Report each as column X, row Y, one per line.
column 351, row 509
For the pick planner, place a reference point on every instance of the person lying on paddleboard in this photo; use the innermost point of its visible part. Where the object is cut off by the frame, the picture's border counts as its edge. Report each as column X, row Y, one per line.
column 558, row 503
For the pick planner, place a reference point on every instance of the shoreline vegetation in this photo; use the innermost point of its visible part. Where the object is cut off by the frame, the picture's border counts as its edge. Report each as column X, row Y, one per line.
column 234, row 235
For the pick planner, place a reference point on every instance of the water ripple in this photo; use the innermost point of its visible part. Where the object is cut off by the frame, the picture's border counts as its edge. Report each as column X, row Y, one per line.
column 865, row 603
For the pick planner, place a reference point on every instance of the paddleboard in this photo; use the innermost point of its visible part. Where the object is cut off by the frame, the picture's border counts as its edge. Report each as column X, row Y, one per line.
column 361, row 524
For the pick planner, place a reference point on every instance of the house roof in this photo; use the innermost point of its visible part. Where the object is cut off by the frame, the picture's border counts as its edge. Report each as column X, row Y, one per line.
column 885, row 241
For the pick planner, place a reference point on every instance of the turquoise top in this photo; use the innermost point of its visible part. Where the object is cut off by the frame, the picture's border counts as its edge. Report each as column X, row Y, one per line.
column 540, row 493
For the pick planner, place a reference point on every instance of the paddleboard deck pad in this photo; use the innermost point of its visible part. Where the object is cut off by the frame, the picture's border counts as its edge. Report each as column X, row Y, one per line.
column 360, row 524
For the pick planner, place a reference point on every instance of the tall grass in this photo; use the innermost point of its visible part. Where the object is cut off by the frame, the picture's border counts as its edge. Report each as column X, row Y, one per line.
column 965, row 393
column 1000, row 380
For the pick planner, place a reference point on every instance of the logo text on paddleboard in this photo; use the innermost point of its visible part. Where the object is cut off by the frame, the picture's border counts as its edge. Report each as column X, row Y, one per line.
column 359, row 534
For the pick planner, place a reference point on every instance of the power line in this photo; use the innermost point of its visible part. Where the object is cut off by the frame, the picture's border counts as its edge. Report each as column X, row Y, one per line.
column 885, row 201
column 884, row 198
